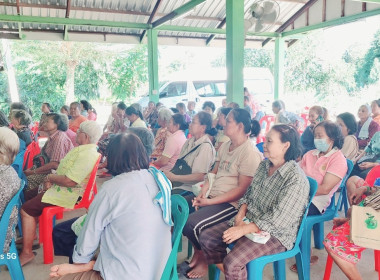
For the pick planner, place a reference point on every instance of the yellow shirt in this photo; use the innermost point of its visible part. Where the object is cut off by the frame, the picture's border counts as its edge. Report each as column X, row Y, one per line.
column 138, row 123
column 77, row 166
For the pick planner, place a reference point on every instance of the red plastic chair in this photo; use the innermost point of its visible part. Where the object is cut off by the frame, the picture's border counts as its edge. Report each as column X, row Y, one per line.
column 31, row 151
column 329, row 264
column 46, row 219
column 266, row 123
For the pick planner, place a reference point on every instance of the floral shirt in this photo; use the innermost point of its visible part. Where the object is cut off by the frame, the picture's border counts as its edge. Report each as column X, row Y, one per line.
column 9, row 185
column 160, row 141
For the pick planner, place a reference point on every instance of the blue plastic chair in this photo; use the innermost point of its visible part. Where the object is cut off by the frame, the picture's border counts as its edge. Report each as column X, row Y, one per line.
column 10, row 259
column 180, row 213
column 260, row 146
column 255, row 267
column 316, row 223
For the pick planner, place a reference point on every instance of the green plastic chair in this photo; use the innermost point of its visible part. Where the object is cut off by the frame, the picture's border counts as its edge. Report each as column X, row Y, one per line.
column 180, row 213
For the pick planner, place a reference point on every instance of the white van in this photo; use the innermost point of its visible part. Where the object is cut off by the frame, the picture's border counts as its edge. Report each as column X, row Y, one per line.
column 210, row 85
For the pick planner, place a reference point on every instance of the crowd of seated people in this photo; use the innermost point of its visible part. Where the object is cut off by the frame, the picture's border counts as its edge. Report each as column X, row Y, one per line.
column 225, row 179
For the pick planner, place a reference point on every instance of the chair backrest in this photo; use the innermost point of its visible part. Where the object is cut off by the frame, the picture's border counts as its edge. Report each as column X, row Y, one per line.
column 266, row 123
column 260, row 146
column 32, row 150
column 18, row 163
column 4, row 222
column 180, row 213
column 372, row 175
column 342, row 187
column 313, row 189
column 91, row 189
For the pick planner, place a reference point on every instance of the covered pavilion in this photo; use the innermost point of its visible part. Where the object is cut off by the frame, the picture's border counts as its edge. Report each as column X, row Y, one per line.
column 180, row 22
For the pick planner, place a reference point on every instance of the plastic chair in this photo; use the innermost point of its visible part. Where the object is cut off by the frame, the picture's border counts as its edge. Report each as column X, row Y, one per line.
column 11, row 259
column 255, row 267
column 266, row 123
column 48, row 214
column 32, row 150
column 180, row 213
column 260, row 146
column 372, row 176
column 316, row 223
column 329, row 263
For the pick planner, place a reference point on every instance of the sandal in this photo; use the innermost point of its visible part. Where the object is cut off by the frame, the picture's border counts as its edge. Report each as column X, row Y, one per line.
column 313, row 261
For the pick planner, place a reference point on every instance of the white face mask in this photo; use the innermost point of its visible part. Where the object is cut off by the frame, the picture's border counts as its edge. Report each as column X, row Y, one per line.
column 321, row 144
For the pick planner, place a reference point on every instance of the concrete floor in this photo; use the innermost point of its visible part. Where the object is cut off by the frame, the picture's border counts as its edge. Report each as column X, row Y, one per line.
column 36, row 270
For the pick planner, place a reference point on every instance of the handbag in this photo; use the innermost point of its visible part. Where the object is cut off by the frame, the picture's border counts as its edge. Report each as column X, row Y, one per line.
column 40, row 160
column 181, row 167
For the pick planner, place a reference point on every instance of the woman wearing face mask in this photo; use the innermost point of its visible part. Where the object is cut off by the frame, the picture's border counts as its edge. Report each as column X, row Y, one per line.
column 327, row 165
column 316, row 115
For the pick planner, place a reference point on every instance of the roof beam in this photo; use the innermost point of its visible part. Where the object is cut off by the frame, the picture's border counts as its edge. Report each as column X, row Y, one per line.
column 65, row 29
column 334, row 22
column 72, row 21
column 292, row 19
column 151, row 17
column 177, row 12
column 19, row 24
column 220, row 26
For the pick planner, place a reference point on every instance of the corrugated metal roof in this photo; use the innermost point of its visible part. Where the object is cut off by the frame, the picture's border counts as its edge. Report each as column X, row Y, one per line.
column 208, row 14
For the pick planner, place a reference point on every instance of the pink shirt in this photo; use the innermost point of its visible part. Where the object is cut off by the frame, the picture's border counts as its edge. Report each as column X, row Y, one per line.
column 316, row 166
column 173, row 148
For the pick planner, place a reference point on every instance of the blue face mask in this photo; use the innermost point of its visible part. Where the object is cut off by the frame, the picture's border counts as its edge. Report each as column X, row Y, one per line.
column 321, row 145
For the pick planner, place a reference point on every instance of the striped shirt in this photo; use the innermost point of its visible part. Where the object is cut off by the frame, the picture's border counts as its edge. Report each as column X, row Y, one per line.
column 57, row 146
column 276, row 204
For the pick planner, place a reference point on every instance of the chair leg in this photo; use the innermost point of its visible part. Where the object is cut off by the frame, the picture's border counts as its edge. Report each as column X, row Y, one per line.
column 305, row 245
column 41, row 232
column 300, row 267
column 318, row 230
column 213, row 272
column 14, row 265
column 47, row 238
column 328, row 268
column 377, row 261
column 189, row 249
column 279, row 270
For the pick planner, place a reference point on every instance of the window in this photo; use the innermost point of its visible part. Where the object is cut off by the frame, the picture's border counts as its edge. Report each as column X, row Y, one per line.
column 210, row 88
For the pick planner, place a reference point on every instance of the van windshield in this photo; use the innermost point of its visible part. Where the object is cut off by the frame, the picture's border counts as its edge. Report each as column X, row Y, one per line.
column 210, row 88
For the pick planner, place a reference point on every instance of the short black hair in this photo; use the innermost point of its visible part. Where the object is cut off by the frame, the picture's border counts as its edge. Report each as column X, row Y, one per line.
column 181, row 105
column 121, row 105
column 349, row 121
column 86, row 105
column 289, row 134
column 225, row 111
column 47, row 105
column 333, row 131
column 209, row 104
column 126, row 153
column 131, row 110
column 255, row 128
column 180, row 120
column 60, row 120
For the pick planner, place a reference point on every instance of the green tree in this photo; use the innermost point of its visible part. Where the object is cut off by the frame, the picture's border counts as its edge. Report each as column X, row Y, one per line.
column 128, row 71
column 368, row 68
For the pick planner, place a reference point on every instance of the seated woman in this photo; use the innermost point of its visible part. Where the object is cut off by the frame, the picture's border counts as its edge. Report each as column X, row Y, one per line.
column 316, row 115
column 87, row 107
column 64, row 238
column 375, row 106
column 63, row 188
column 174, row 143
column 55, row 149
column 123, row 256
column 164, row 116
column 209, row 107
column 348, row 125
column 338, row 243
column 220, row 138
column 367, row 127
column 9, row 180
column 326, row 164
column 65, row 110
column 20, row 121
column 368, row 158
column 236, row 163
column 76, row 117
column 135, row 117
column 285, row 117
column 275, row 202
column 199, row 152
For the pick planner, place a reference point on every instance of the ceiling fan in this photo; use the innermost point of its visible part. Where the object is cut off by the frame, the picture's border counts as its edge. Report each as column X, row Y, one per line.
column 263, row 15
